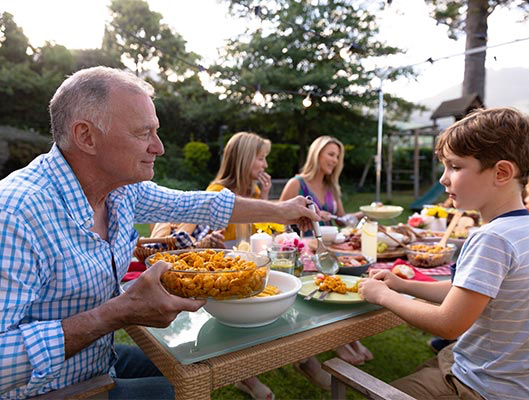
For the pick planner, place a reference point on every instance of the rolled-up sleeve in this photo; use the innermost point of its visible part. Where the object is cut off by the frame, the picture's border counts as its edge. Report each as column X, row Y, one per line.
column 159, row 204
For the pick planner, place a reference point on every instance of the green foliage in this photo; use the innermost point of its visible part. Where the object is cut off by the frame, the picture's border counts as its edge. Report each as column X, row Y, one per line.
column 283, row 160
column 14, row 43
column 137, row 33
column 197, row 155
column 296, row 52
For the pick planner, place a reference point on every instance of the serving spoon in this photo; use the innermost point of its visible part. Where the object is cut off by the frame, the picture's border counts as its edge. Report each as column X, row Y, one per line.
column 324, row 260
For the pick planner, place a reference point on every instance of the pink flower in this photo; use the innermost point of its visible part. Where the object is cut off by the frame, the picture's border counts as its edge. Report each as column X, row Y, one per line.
column 416, row 222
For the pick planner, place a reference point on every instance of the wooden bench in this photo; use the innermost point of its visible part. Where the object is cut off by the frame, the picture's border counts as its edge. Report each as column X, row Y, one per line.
column 343, row 373
column 95, row 389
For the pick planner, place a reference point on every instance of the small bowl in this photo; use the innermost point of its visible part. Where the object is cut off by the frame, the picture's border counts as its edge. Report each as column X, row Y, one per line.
column 217, row 277
column 382, row 212
column 328, row 234
column 354, row 270
column 428, row 255
column 257, row 311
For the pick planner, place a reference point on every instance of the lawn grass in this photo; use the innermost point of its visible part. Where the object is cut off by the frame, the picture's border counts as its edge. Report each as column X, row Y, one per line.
column 397, row 352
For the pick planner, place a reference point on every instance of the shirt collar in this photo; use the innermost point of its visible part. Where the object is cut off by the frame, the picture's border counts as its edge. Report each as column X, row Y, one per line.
column 69, row 188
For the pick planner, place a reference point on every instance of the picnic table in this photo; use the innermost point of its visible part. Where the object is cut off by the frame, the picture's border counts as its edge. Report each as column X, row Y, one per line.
column 197, row 354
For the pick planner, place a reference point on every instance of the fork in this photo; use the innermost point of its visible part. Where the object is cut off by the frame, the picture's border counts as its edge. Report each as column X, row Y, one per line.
column 323, row 295
column 311, row 294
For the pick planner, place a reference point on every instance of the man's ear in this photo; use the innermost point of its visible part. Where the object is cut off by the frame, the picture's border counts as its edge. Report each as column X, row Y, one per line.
column 84, row 136
column 505, row 171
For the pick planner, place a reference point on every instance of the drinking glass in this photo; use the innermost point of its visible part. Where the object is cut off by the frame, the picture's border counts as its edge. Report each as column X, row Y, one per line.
column 282, row 258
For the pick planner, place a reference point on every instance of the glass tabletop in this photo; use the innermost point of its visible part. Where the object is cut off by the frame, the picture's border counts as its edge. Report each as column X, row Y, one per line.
column 197, row 336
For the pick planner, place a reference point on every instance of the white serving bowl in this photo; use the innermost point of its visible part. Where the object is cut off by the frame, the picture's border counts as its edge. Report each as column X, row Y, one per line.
column 381, row 237
column 328, row 234
column 257, row 311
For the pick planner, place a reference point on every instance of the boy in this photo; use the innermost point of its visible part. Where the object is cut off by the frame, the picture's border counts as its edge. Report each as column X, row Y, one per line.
column 486, row 306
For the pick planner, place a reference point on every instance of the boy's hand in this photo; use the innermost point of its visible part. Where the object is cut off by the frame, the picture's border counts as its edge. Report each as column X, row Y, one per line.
column 388, row 277
column 373, row 290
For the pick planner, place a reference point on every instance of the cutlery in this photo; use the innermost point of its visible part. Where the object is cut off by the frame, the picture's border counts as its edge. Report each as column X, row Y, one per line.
column 455, row 219
column 323, row 295
column 345, row 220
column 383, row 230
column 324, row 260
column 311, row 294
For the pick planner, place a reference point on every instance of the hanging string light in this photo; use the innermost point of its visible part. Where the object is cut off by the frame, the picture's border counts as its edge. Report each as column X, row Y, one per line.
column 307, row 102
column 258, row 98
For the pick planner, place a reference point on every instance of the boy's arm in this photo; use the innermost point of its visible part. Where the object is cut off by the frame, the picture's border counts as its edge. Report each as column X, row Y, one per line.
column 430, row 291
column 458, row 311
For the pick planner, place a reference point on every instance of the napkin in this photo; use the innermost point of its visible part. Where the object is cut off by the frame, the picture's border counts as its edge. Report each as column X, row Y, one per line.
column 134, row 271
column 419, row 276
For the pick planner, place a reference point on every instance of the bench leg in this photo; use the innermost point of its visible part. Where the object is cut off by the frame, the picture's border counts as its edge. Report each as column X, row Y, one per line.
column 337, row 389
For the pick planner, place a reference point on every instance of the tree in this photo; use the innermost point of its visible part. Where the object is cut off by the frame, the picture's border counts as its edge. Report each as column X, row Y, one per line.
column 138, row 33
column 13, row 43
column 307, row 50
column 470, row 17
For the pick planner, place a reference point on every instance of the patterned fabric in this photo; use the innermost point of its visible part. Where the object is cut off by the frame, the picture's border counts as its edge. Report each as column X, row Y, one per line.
column 53, row 267
column 329, row 205
column 183, row 239
column 492, row 356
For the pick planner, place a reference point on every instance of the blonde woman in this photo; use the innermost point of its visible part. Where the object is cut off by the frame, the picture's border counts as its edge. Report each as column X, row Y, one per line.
column 319, row 178
column 242, row 170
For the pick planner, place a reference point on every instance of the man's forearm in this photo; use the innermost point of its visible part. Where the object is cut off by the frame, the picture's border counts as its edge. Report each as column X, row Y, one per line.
column 254, row 210
column 85, row 328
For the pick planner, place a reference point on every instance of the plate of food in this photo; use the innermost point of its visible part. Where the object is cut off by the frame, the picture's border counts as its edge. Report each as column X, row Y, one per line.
column 356, row 264
column 343, row 289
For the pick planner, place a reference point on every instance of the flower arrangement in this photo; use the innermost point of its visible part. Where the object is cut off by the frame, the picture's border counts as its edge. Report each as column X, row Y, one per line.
column 269, row 227
column 416, row 221
column 436, row 211
column 290, row 239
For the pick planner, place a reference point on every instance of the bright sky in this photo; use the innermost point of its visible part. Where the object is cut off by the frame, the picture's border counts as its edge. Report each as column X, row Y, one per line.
column 205, row 27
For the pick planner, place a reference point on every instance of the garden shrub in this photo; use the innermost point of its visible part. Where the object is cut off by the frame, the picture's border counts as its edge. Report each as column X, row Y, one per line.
column 283, row 160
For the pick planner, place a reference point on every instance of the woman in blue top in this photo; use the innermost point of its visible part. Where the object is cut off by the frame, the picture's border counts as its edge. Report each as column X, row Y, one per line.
column 319, row 178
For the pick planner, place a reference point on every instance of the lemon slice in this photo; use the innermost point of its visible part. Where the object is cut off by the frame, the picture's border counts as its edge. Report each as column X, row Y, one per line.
column 368, row 232
column 243, row 246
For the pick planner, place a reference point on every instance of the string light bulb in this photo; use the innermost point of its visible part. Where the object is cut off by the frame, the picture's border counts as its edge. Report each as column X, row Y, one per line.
column 258, row 98
column 307, row 102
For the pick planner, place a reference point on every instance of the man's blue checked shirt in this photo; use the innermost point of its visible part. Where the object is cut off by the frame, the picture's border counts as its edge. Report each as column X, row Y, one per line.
column 53, row 266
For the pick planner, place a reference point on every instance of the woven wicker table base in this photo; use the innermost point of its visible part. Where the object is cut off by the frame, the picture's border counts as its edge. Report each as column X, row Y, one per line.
column 196, row 381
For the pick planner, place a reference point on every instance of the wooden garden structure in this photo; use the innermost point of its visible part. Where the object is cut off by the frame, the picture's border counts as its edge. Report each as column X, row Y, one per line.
column 456, row 108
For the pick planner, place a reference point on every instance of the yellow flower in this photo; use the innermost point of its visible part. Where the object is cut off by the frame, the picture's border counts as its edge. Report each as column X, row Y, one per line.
column 269, row 227
column 437, row 212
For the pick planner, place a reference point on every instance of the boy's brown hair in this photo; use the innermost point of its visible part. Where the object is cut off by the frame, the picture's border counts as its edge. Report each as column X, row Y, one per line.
column 490, row 136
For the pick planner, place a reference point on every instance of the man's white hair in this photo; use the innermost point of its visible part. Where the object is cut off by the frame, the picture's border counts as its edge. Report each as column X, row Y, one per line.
column 84, row 95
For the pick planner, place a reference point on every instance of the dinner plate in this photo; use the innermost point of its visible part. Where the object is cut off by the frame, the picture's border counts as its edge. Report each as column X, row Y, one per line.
column 350, row 297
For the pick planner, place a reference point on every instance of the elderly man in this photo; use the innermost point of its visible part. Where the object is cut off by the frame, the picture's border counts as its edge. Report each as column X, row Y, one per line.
column 66, row 229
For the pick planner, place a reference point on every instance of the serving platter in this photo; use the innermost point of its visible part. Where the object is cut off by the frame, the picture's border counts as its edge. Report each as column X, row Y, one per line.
column 341, row 250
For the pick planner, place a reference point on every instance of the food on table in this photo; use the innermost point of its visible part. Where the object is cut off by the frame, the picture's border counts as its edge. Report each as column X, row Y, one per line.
column 352, row 240
column 207, row 273
column 269, row 290
column 404, row 271
column 333, row 283
column 429, row 255
column 242, row 246
column 381, row 247
column 352, row 261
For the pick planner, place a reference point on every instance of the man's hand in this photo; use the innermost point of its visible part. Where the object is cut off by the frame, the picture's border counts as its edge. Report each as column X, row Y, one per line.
column 296, row 211
column 146, row 302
